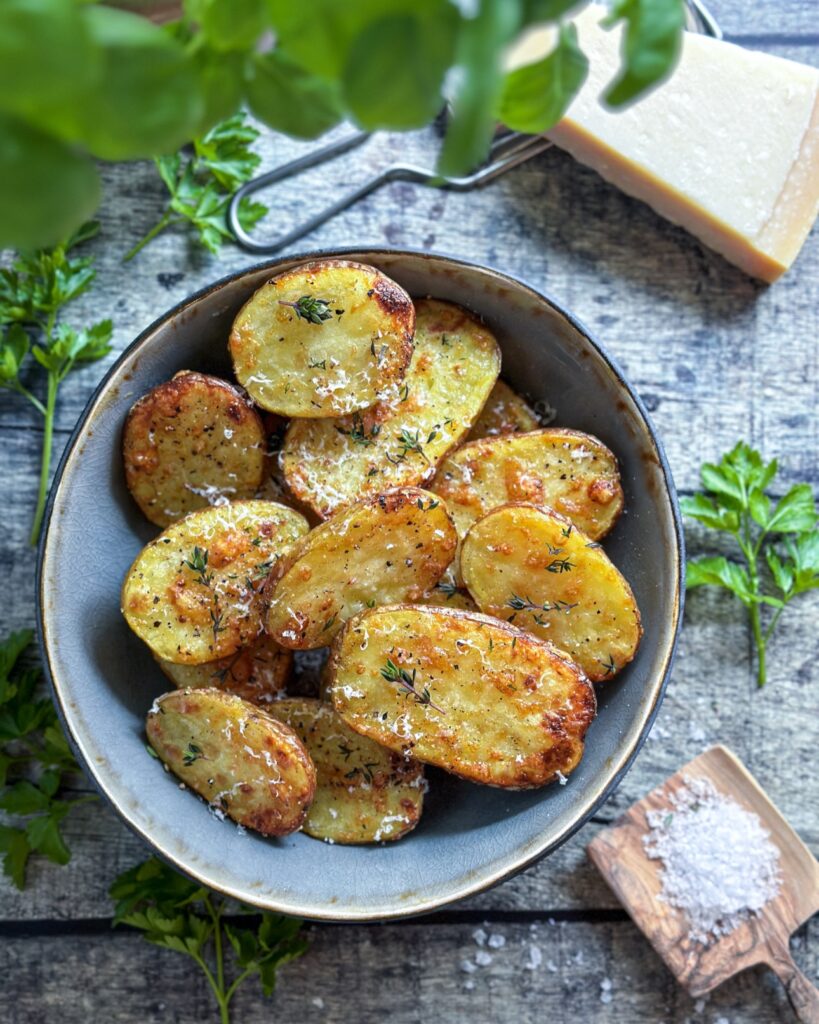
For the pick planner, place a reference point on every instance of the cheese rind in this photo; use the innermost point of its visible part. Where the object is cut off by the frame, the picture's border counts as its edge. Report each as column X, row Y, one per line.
column 727, row 147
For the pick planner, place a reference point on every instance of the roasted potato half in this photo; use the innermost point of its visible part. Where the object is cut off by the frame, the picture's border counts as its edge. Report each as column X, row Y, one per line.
column 364, row 793
column 191, row 442
column 505, row 412
column 258, row 672
column 328, row 464
column 245, row 763
column 194, row 593
column 381, row 550
column 573, row 473
column 323, row 339
column 532, row 567
column 475, row 696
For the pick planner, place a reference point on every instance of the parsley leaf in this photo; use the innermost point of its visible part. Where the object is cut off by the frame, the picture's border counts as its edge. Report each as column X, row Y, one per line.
column 201, row 181
column 783, row 535
column 33, row 291
column 173, row 912
column 34, row 762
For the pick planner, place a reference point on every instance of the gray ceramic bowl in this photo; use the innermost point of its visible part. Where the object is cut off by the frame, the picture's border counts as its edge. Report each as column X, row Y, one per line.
column 104, row 680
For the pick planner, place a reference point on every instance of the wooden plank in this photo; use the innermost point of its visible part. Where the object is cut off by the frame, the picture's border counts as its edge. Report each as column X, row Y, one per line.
column 405, row 973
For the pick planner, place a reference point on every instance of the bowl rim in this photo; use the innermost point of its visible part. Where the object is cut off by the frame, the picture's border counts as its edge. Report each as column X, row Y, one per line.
column 589, row 804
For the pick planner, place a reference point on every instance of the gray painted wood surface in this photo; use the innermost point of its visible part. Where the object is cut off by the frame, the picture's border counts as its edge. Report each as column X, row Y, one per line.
column 716, row 357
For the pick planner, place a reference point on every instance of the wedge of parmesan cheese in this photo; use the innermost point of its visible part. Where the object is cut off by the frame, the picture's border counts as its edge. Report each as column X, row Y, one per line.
column 727, row 147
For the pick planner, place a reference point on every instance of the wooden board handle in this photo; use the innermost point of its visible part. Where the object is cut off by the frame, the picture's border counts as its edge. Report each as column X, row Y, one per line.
column 802, row 994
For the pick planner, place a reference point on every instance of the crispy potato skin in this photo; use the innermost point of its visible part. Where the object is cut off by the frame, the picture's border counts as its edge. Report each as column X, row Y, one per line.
column 191, row 442
column 505, row 412
column 583, row 604
column 492, row 703
column 295, row 367
column 192, row 617
column 571, row 472
column 243, row 762
column 381, row 550
column 328, row 464
column 364, row 793
column 257, row 673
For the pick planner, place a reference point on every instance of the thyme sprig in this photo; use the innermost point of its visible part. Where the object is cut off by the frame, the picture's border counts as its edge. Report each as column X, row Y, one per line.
column 198, row 564
column 311, row 309
column 558, row 565
column 393, row 674
column 357, row 433
column 525, row 604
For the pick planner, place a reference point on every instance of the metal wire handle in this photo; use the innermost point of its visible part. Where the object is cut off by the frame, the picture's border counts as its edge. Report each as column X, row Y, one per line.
column 508, row 150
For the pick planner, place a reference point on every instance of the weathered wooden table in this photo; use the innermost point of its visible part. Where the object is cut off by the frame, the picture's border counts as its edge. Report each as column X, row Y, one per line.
column 716, row 357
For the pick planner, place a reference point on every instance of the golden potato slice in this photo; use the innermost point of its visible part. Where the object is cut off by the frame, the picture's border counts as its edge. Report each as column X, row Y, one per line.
column 194, row 593
column 573, row 473
column 243, row 762
column 328, row 464
column 191, row 442
column 364, row 792
column 505, row 412
column 532, row 567
column 463, row 691
column 323, row 339
column 258, row 672
column 381, row 550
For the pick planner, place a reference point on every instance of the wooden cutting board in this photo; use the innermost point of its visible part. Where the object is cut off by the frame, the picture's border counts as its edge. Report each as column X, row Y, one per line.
column 618, row 854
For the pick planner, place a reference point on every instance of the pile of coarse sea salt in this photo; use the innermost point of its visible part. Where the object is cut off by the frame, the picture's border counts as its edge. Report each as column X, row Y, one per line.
column 719, row 864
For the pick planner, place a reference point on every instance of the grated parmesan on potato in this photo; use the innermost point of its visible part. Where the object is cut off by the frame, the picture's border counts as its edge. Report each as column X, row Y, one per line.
column 328, row 464
column 475, row 696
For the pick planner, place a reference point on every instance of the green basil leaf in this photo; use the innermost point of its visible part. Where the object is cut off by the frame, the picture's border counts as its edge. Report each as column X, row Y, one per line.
column 147, row 100
column 650, row 48
column 290, row 99
column 221, row 78
column 395, row 70
column 537, row 11
column 230, row 24
column 478, row 84
column 48, row 188
column 318, row 35
column 46, row 54
column 536, row 97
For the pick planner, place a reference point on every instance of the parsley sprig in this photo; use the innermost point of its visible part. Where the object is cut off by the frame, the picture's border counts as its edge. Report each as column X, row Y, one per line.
column 202, row 179
column 782, row 535
column 177, row 914
column 33, row 292
column 34, row 763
